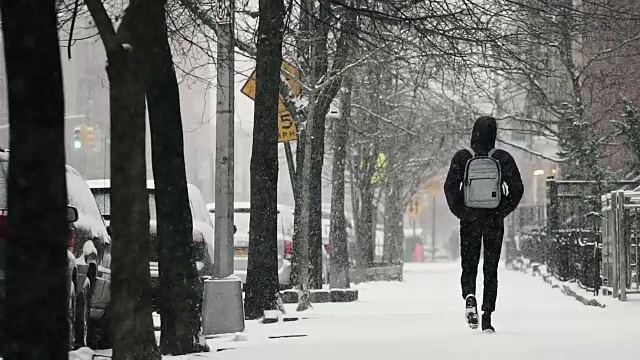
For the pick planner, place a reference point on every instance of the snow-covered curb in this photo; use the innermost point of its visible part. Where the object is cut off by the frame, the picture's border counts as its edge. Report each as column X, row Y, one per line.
column 568, row 288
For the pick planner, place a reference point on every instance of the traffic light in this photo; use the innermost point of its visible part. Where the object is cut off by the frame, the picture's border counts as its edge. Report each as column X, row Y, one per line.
column 88, row 137
column 77, row 138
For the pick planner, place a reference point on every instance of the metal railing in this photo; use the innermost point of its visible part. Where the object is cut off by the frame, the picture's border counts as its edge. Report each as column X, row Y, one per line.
column 620, row 241
column 572, row 255
column 570, row 240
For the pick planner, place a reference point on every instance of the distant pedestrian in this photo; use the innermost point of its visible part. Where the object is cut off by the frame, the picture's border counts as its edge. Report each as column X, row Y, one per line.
column 483, row 186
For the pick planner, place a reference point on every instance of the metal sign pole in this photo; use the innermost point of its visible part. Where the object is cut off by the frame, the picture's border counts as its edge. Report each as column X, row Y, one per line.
column 222, row 310
column 292, row 170
column 223, row 248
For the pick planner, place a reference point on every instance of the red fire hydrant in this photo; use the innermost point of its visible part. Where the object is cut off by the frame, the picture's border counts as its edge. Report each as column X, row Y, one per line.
column 418, row 253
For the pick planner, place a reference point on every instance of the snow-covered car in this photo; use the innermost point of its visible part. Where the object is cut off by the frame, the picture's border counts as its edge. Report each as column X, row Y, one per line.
column 241, row 217
column 89, row 260
column 91, row 246
column 202, row 229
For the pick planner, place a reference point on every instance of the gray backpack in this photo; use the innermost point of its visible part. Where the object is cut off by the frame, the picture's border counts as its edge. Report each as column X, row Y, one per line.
column 482, row 184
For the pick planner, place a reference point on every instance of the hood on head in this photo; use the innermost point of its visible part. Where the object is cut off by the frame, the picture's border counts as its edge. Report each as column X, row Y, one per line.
column 483, row 136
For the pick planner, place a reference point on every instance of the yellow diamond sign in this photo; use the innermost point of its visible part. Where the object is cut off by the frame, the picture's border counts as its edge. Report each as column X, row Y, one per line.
column 287, row 130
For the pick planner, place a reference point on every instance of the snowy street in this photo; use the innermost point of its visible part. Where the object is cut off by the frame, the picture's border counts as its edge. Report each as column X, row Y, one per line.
column 423, row 317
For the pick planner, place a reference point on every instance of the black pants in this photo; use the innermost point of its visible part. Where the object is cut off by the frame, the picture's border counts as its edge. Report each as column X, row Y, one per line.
column 472, row 236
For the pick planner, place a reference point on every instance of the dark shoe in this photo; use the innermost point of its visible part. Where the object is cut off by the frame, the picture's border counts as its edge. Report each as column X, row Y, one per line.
column 471, row 311
column 486, row 323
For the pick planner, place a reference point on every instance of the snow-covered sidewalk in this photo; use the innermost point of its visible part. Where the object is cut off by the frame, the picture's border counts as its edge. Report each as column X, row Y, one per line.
column 423, row 317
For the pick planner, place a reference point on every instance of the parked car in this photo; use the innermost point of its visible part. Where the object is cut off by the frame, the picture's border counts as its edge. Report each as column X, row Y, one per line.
column 89, row 260
column 202, row 229
column 285, row 228
column 241, row 243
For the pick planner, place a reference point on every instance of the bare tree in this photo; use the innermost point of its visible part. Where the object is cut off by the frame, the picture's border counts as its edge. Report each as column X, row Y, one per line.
column 262, row 272
column 180, row 288
column 38, row 214
column 553, row 78
column 339, row 265
column 131, row 322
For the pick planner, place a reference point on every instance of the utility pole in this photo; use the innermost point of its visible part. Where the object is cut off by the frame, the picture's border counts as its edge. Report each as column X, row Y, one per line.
column 223, row 251
column 222, row 310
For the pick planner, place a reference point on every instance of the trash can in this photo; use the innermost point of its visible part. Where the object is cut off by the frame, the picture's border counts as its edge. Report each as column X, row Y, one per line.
column 418, row 252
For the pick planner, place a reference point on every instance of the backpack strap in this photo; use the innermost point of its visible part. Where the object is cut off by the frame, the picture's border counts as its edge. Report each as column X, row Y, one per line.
column 473, row 153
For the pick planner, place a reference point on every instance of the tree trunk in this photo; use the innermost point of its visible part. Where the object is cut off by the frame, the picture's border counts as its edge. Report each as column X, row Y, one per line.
column 315, row 191
column 302, row 132
column 37, row 242
column 317, row 65
column 320, row 68
column 355, row 207
column 262, row 273
column 365, row 236
column 180, row 288
column 393, row 224
column 339, row 265
column 132, row 330
column 131, row 323
column 387, row 245
column 303, row 48
column 305, row 210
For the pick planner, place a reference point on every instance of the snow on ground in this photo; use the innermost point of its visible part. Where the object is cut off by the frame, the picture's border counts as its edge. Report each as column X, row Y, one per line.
column 424, row 317
column 633, row 301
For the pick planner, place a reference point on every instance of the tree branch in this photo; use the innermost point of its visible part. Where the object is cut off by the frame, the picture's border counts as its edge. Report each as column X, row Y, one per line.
column 209, row 22
column 530, row 121
column 606, row 52
column 527, row 150
column 105, row 26
column 388, row 121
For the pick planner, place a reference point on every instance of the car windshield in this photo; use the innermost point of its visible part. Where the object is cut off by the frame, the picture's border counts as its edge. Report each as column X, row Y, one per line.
column 103, row 198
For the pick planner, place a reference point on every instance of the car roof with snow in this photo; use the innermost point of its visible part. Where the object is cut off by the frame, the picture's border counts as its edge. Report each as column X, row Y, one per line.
column 106, row 184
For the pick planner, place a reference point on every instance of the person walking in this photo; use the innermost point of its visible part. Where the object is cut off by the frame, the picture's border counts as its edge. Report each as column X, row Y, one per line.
column 482, row 187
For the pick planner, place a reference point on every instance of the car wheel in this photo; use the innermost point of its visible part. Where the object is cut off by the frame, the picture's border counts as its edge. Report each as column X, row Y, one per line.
column 82, row 317
column 100, row 335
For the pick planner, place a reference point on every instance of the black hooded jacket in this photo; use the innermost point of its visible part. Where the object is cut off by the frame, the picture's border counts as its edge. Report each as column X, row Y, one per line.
column 483, row 139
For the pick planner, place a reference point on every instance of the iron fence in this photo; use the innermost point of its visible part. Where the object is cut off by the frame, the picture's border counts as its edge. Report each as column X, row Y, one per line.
column 569, row 241
column 620, row 229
